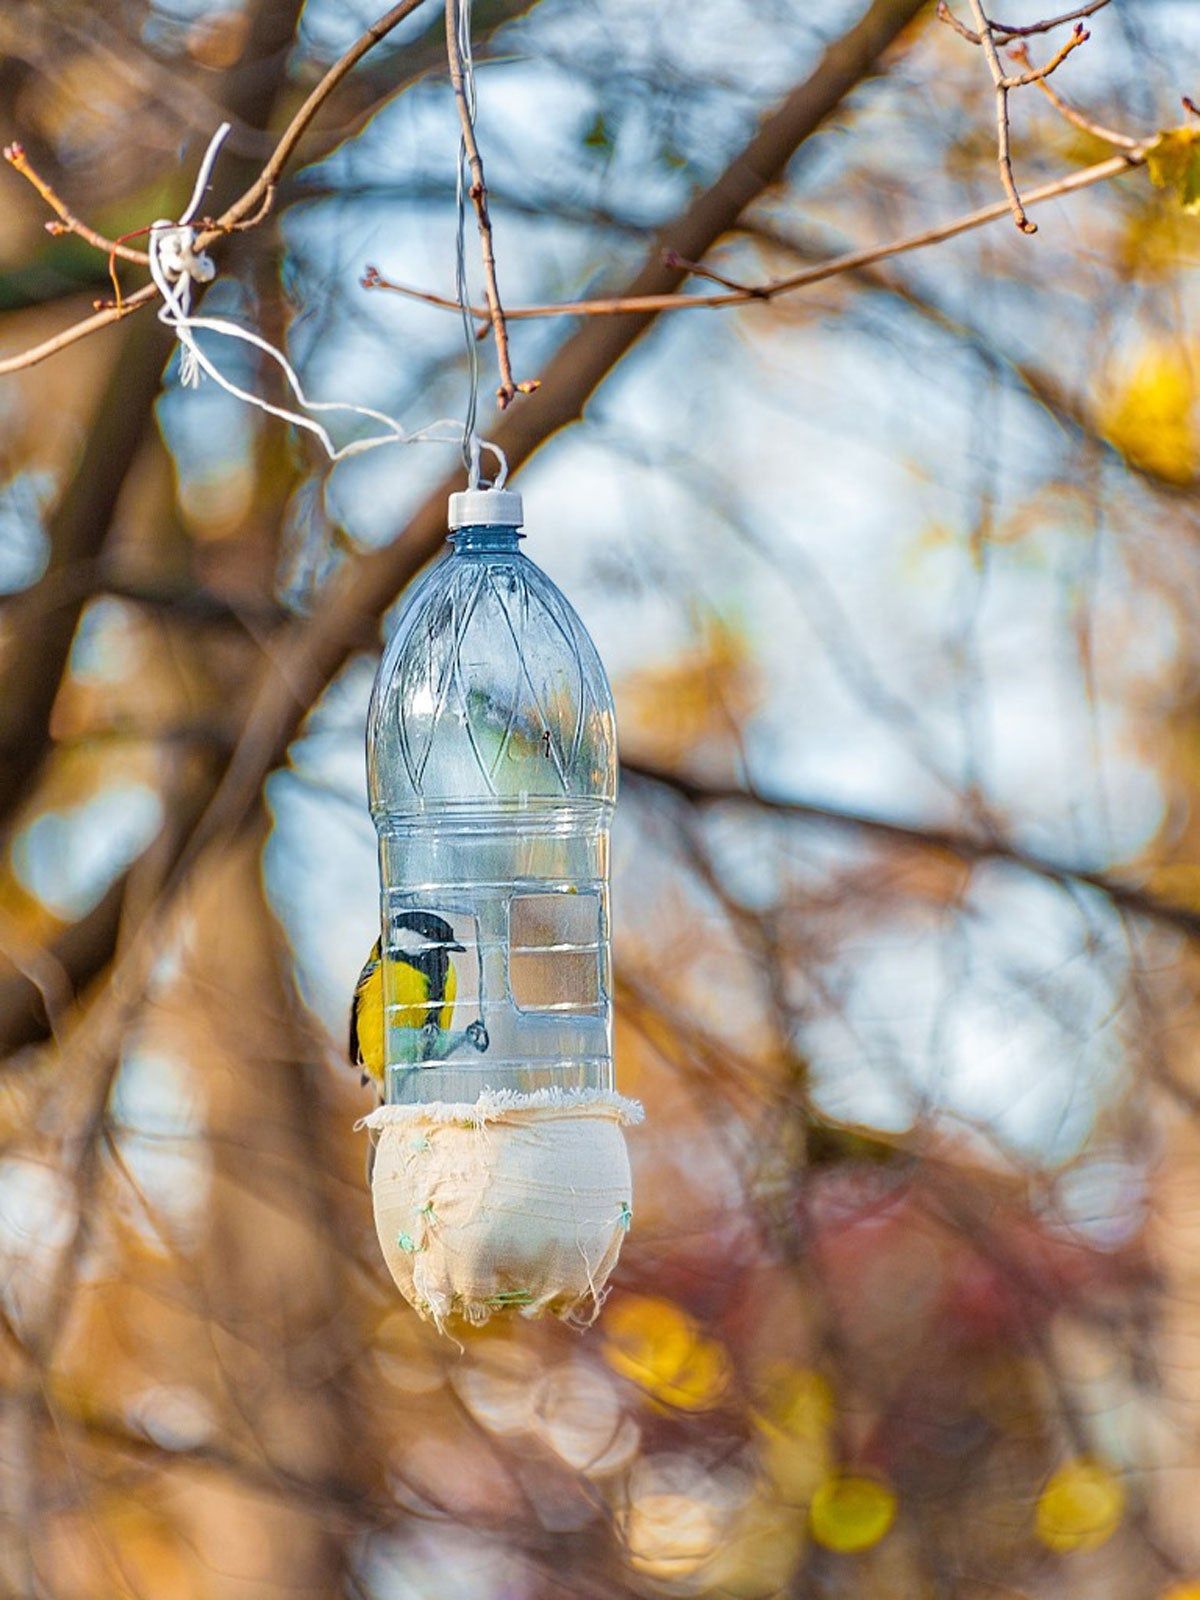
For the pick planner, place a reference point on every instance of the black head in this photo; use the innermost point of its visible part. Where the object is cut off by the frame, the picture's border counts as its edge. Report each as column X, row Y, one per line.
column 429, row 928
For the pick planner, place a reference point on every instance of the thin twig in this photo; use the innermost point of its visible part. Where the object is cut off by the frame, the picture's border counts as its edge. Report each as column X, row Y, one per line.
column 15, row 155
column 672, row 258
column 79, row 330
column 1122, row 141
column 508, row 388
column 261, row 191
column 254, row 204
column 1004, row 31
column 1113, row 167
column 1040, row 74
column 944, row 14
column 1003, row 153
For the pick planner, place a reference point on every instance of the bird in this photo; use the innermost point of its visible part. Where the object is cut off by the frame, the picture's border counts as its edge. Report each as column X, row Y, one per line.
column 424, row 984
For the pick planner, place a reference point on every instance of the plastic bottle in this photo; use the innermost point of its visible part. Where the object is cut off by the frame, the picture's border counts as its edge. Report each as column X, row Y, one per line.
column 492, row 774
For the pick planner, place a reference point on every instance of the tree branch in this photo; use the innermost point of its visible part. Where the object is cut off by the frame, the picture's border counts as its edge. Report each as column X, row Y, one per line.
column 1067, row 408
column 1121, row 141
column 634, row 305
column 1034, row 74
column 1004, row 31
column 309, row 653
column 254, row 204
column 38, row 640
column 968, row 847
column 261, row 191
column 15, row 155
column 507, row 391
column 988, row 35
column 1003, row 153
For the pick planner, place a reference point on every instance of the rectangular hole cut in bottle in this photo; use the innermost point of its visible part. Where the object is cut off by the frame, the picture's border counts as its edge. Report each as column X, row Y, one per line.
column 555, row 945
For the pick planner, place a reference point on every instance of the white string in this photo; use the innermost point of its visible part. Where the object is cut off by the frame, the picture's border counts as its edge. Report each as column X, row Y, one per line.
column 175, row 264
column 471, row 441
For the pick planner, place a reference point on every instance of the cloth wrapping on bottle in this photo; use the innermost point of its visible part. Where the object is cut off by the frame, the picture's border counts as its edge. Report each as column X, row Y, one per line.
column 519, row 1201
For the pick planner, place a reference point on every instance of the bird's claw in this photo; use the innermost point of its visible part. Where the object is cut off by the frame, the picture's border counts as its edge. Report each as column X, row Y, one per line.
column 478, row 1035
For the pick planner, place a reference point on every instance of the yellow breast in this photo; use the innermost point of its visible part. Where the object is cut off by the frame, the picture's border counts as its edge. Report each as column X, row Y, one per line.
column 368, row 1002
column 411, row 1006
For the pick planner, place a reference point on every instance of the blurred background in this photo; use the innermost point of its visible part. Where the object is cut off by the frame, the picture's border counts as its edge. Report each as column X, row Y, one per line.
column 896, row 578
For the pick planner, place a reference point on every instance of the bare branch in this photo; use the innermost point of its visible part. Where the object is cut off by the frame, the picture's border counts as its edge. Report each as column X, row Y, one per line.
column 1003, row 153
column 944, row 14
column 1004, row 31
column 79, row 330
column 969, row 847
column 630, row 305
column 261, row 191
column 507, row 391
column 1039, row 74
column 15, row 155
column 988, row 35
column 696, row 270
column 1121, row 141
column 254, row 204
column 252, row 207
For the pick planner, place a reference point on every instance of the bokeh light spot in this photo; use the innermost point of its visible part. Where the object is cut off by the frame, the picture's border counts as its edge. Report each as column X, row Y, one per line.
column 797, row 1401
column 794, row 1416
column 850, row 1513
column 679, row 1518
column 660, row 1348
column 1080, row 1508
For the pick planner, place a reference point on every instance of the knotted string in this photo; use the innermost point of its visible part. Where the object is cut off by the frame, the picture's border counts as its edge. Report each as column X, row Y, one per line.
column 175, row 264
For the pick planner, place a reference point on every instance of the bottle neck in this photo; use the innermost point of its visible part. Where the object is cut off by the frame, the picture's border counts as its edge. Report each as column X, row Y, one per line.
column 485, row 538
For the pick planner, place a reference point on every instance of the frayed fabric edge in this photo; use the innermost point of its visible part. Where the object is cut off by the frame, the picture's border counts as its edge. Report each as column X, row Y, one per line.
column 496, row 1104
column 580, row 1312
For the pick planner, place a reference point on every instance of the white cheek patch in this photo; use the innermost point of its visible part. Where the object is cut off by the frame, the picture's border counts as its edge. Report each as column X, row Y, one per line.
column 408, row 941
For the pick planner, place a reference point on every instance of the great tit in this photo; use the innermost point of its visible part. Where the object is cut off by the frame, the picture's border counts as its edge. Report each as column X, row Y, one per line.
column 424, row 984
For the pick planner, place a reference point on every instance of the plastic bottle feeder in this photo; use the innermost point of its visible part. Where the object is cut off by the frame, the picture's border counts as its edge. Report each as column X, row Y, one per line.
column 501, row 1178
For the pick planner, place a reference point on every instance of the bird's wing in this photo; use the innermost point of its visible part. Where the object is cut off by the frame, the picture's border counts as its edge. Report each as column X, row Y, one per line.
column 366, row 1022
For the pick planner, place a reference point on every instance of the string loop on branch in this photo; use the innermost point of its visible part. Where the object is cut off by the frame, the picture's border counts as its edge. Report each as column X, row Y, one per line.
column 176, row 264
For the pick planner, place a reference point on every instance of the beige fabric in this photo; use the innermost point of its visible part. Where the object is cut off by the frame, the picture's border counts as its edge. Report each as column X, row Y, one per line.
column 517, row 1202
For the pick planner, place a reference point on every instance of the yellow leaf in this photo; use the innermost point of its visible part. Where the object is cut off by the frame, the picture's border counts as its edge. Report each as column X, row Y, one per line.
column 1151, row 417
column 1156, row 241
column 1173, row 162
column 850, row 1513
column 1080, row 1507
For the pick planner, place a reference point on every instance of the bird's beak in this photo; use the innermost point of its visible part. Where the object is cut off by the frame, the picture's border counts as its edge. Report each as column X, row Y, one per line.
column 461, row 947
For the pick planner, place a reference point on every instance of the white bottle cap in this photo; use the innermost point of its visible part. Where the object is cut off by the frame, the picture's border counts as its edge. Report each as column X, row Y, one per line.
column 482, row 508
